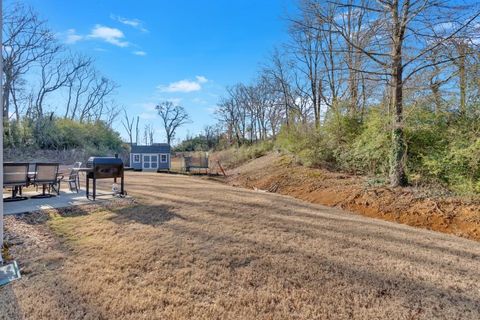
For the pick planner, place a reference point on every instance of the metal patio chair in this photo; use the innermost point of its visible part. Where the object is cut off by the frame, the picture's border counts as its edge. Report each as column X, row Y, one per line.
column 73, row 180
column 15, row 176
column 46, row 176
column 76, row 166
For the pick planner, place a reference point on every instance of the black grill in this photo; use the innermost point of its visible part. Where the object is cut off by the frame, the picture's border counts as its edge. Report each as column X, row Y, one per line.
column 104, row 168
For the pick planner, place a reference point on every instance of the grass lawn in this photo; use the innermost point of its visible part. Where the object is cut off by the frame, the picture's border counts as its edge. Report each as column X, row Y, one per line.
column 194, row 249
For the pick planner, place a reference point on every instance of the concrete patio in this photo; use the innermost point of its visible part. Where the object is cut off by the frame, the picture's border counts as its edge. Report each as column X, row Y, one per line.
column 65, row 199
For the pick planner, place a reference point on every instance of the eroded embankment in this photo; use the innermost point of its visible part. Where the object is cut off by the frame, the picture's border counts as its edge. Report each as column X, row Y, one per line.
column 411, row 206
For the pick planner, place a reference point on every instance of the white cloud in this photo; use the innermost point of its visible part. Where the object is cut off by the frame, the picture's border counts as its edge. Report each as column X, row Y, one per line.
column 139, row 53
column 111, row 35
column 182, row 86
column 135, row 23
column 185, row 85
column 201, row 79
column 72, row 37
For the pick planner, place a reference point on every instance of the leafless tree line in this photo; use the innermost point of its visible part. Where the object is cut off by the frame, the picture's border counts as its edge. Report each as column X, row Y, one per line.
column 345, row 56
column 172, row 117
column 41, row 76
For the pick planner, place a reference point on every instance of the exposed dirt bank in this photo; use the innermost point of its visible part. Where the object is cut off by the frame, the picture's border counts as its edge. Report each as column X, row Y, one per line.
column 411, row 206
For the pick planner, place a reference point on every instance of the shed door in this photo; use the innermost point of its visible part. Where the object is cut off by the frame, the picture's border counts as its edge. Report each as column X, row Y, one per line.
column 150, row 161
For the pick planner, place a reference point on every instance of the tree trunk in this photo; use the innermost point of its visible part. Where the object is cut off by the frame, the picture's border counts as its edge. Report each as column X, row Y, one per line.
column 462, row 78
column 352, row 82
column 287, row 112
column 397, row 167
column 437, row 97
column 6, row 97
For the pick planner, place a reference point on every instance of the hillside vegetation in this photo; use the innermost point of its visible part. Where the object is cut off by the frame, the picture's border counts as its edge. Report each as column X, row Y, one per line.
column 63, row 140
column 443, row 149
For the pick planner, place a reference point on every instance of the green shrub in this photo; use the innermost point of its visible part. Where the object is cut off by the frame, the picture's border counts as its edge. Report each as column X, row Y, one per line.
column 442, row 148
column 50, row 133
column 370, row 150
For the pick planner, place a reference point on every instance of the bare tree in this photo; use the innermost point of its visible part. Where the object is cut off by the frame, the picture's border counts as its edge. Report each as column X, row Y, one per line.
column 403, row 28
column 278, row 70
column 127, row 124
column 101, row 88
column 108, row 112
column 26, row 40
column 227, row 114
column 148, row 134
column 78, row 85
column 173, row 116
column 306, row 47
column 54, row 74
column 137, row 130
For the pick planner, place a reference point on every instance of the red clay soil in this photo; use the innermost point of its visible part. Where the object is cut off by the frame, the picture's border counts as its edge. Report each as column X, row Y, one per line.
column 411, row 206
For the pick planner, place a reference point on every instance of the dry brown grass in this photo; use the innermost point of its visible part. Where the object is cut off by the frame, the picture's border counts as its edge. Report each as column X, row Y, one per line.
column 194, row 249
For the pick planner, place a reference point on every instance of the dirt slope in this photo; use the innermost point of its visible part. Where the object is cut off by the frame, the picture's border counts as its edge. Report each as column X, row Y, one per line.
column 414, row 207
column 194, row 249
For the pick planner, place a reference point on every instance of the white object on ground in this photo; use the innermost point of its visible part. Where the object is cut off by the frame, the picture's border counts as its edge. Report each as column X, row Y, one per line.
column 8, row 273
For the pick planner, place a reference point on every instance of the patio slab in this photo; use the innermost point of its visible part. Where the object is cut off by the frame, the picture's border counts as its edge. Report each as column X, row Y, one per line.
column 65, row 199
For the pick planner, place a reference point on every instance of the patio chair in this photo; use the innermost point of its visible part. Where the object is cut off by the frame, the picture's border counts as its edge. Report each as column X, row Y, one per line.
column 73, row 180
column 76, row 166
column 46, row 175
column 15, row 176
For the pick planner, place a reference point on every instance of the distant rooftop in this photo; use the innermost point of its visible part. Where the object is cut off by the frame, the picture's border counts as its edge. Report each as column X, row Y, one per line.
column 152, row 148
column 150, row 145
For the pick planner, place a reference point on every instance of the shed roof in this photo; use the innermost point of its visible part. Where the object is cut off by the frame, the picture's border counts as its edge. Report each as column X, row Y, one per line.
column 154, row 148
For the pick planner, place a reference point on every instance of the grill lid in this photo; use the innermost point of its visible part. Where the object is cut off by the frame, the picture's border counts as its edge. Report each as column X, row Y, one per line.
column 93, row 161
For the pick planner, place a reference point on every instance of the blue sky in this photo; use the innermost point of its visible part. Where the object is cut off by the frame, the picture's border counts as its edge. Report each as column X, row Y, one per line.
column 186, row 51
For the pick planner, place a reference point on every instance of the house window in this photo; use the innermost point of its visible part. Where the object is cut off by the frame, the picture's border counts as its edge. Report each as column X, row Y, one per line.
column 164, row 158
column 136, row 158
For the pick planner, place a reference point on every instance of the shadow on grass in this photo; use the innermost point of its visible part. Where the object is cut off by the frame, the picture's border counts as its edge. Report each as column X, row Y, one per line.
column 222, row 247
column 153, row 215
column 123, row 214
column 42, row 216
